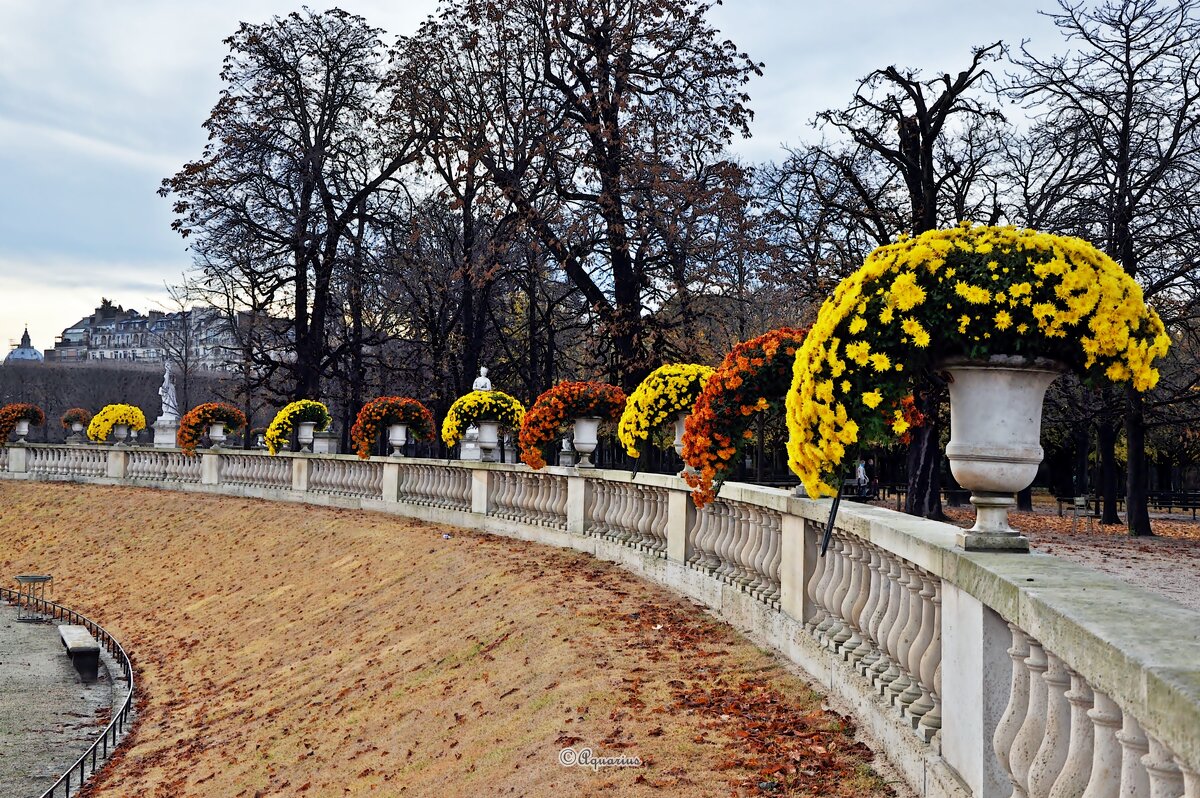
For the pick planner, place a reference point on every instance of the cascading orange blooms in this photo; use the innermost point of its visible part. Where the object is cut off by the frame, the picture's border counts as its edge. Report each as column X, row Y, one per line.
column 196, row 422
column 752, row 378
column 385, row 411
column 11, row 414
column 76, row 415
column 561, row 405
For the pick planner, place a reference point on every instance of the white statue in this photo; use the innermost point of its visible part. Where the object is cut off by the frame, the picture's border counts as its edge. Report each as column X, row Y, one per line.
column 482, row 383
column 170, row 405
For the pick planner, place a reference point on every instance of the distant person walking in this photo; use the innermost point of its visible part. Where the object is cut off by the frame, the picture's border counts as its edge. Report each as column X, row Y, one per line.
column 860, row 478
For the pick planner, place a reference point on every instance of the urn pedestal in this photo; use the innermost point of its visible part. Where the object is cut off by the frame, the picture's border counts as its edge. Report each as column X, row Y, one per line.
column 305, row 433
column 397, row 437
column 586, row 439
column 994, row 448
column 489, row 439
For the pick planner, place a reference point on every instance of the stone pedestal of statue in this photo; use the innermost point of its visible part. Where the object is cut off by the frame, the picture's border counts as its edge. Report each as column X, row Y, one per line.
column 165, row 430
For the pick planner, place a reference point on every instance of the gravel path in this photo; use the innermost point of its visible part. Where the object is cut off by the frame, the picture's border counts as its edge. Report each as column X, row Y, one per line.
column 47, row 716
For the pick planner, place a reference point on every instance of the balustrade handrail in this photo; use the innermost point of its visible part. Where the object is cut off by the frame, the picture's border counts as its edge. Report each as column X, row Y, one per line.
column 1130, row 646
column 100, row 749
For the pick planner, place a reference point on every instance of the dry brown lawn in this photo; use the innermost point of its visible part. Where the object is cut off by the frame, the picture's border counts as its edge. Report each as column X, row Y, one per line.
column 291, row 650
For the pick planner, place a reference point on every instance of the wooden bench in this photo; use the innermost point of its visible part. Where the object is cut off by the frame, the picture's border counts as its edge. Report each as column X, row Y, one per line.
column 83, row 650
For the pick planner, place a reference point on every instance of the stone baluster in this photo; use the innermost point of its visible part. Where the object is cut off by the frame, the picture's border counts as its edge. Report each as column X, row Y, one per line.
column 599, row 508
column 711, row 559
column 759, row 555
column 1104, row 780
column 743, row 542
column 875, row 624
column 1077, row 769
column 773, row 560
column 1033, row 726
column 1191, row 780
column 815, row 588
column 1166, row 779
column 855, row 651
column 1052, row 753
column 696, row 535
column 929, row 707
column 658, row 523
column 727, row 542
column 866, row 652
column 541, row 502
column 911, row 599
column 1135, row 782
column 886, row 669
column 626, row 531
column 848, row 638
column 838, row 587
column 918, row 697
column 643, row 518
column 721, row 531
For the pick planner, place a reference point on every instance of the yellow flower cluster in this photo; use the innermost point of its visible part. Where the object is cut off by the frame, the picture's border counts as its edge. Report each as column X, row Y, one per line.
column 279, row 432
column 668, row 391
column 981, row 291
column 481, row 406
column 103, row 422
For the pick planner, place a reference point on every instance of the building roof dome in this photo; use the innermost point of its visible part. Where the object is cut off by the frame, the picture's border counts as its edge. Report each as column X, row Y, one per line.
column 25, row 353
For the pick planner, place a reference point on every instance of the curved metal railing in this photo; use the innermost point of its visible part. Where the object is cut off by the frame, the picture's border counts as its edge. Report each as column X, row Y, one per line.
column 74, row 777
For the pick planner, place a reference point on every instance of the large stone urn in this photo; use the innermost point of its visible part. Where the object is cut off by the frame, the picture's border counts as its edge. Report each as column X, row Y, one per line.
column 680, row 422
column 216, row 434
column 586, row 438
column 995, row 440
column 397, row 437
column 120, row 434
column 306, row 432
column 489, row 439
column 22, row 429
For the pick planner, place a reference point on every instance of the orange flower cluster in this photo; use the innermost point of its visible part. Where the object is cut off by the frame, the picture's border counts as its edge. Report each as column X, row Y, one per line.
column 11, row 414
column 752, row 378
column 385, row 411
column 908, row 413
column 562, row 404
column 195, row 423
column 76, row 415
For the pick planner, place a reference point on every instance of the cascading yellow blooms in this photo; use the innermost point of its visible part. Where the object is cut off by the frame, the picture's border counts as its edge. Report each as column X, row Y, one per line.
column 668, row 391
column 481, row 406
column 101, row 425
column 969, row 291
column 279, row 432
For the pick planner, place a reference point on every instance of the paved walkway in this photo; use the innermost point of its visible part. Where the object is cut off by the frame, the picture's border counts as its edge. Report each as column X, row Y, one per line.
column 47, row 716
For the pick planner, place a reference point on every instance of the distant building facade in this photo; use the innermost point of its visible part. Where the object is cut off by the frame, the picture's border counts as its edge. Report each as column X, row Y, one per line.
column 202, row 336
column 23, row 352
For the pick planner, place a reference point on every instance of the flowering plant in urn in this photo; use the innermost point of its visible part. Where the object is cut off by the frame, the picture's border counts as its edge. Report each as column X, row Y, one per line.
column 76, row 415
column 668, row 392
column 19, row 411
column 971, row 292
column 279, row 431
column 481, row 406
column 559, row 406
column 101, row 425
column 752, row 379
column 385, row 411
column 197, row 421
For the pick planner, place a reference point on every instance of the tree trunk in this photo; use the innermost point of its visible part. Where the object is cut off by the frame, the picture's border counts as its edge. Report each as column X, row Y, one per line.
column 1137, row 513
column 1082, row 437
column 1106, row 443
column 924, row 496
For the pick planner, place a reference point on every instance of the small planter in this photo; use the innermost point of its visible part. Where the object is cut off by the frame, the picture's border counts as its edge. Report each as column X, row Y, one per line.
column 489, row 439
column 120, row 434
column 77, row 427
column 22, row 429
column 305, row 432
column 995, row 448
column 397, row 437
column 586, row 438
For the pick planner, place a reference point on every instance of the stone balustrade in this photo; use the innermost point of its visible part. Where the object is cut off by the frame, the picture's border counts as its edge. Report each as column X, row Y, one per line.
column 983, row 674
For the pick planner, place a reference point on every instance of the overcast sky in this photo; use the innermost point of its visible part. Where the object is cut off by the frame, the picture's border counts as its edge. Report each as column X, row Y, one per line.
column 101, row 100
